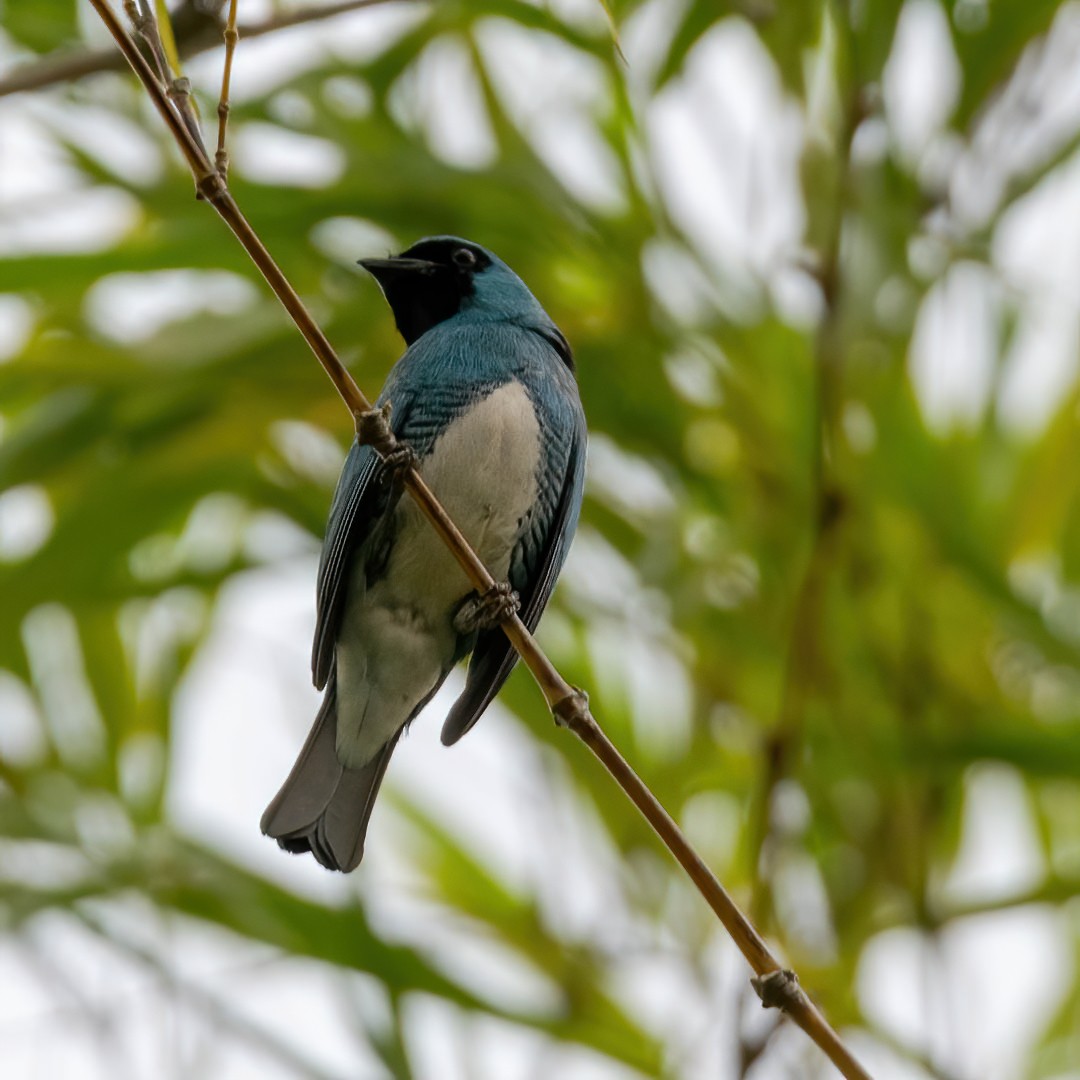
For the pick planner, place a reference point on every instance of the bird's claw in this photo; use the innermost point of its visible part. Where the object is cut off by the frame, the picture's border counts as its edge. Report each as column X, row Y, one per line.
column 373, row 429
column 484, row 611
column 399, row 461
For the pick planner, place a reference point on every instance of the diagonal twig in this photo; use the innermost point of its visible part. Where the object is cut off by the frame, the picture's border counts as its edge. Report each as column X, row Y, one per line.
column 777, row 987
column 178, row 88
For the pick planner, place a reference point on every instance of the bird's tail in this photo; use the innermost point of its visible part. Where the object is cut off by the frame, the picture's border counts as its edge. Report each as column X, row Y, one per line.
column 324, row 807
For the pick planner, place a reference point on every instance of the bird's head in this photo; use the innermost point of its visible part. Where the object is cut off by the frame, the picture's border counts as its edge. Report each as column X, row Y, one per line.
column 441, row 276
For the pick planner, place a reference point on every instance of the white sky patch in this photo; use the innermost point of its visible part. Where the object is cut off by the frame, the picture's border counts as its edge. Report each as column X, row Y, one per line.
column 578, row 155
column 459, row 786
column 944, row 995
column 954, row 346
column 550, row 91
column 1037, row 242
column 921, row 81
column 22, row 734
column 199, row 1004
column 803, row 908
column 1008, row 972
column 626, row 481
column 291, row 109
column 45, row 204
column 1040, row 368
column 16, row 325
column 536, row 74
column 130, row 308
column 726, row 142
column 1000, row 846
column 452, row 105
column 661, row 696
column 681, row 285
column 26, row 521
column 1011, row 136
column 90, row 220
column 585, row 15
column 693, row 374
column 115, row 141
column 1037, row 247
column 900, row 986
column 54, row 651
column 43, row 166
column 268, row 154
column 312, row 451
column 358, row 40
column 646, row 36
column 348, row 96
column 505, row 1052
column 262, row 64
column 347, row 239
column 598, row 574
column 273, row 537
column 797, row 297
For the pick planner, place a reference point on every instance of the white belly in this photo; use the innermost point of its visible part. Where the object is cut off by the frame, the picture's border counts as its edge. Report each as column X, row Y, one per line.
column 396, row 639
column 483, row 470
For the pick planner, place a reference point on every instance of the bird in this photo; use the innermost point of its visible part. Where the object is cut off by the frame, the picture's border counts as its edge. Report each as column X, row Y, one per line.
column 485, row 398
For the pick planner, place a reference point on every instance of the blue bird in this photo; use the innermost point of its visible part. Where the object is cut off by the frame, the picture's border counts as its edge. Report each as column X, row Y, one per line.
column 485, row 396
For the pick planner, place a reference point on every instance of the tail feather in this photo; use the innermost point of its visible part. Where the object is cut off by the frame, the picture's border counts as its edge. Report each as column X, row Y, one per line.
column 324, row 807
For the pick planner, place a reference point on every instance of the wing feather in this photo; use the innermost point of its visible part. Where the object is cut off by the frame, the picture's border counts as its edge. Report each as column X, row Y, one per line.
column 358, row 501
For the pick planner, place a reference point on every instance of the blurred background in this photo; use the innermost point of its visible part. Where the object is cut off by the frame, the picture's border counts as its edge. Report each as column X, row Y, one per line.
column 820, row 264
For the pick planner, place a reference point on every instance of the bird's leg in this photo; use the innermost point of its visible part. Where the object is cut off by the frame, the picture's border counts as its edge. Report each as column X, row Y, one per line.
column 485, row 611
column 373, row 429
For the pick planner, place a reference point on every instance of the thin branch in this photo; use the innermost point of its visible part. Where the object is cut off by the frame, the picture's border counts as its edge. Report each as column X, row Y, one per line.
column 776, row 986
column 221, row 158
column 196, row 34
column 177, row 87
column 145, row 25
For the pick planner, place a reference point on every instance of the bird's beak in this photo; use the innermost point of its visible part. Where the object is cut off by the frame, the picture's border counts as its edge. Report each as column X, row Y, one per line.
column 381, row 269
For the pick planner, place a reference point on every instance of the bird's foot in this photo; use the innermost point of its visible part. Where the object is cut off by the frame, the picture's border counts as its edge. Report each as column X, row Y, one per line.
column 484, row 611
column 373, row 429
column 398, row 462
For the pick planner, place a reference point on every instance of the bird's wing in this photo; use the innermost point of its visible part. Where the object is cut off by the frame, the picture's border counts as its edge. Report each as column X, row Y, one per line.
column 358, row 501
column 421, row 409
column 493, row 656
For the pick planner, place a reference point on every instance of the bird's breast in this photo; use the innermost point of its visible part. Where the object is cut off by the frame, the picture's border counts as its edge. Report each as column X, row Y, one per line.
column 483, row 469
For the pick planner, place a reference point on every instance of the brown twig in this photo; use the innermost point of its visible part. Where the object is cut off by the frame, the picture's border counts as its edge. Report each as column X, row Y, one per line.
column 221, row 158
column 146, row 27
column 776, row 986
column 177, row 87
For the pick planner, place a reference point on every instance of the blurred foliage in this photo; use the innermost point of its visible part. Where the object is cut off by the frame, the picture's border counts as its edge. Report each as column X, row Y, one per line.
column 847, row 609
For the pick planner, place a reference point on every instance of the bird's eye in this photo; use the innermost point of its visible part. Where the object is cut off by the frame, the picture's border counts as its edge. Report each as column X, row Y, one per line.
column 464, row 258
